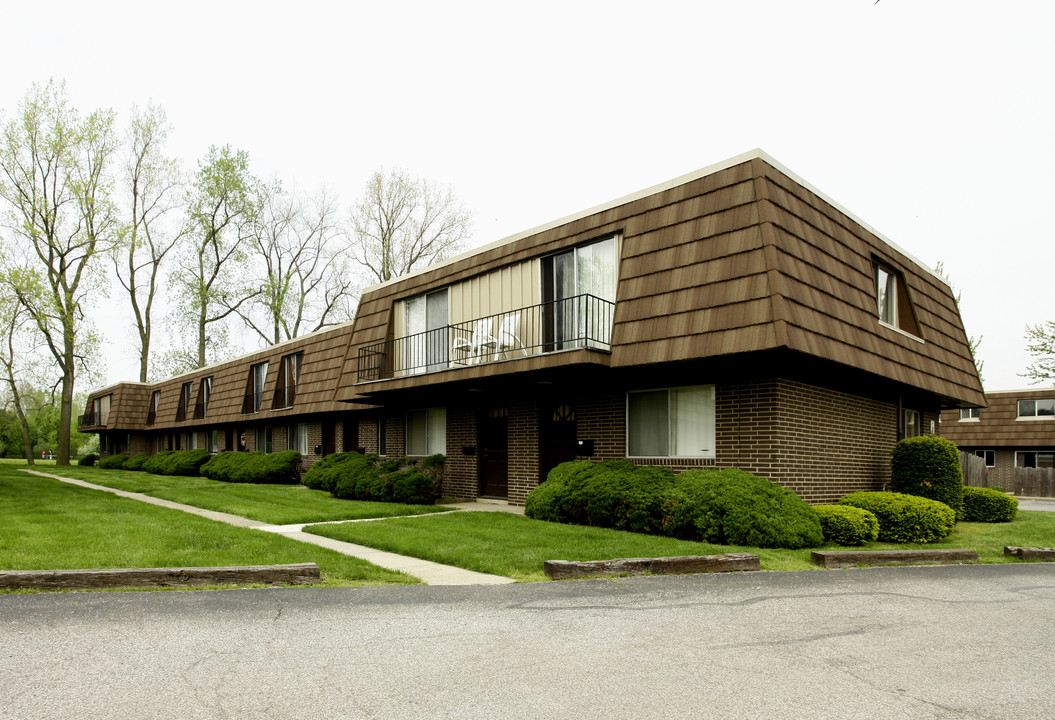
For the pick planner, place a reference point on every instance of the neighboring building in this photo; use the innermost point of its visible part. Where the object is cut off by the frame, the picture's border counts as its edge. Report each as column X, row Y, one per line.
column 1016, row 428
column 733, row 317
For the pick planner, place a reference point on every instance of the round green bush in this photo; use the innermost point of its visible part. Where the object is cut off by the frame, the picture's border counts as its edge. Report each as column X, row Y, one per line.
column 254, row 467
column 136, row 461
column 905, row 518
column 988, row 505
column 88, row 460
column 112, row 462
column 735, row 507
column 928, row 466
column 847, row 525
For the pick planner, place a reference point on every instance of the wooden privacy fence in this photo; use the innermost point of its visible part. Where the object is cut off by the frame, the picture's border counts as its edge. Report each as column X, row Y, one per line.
column 975, row 473
column 1034, row 482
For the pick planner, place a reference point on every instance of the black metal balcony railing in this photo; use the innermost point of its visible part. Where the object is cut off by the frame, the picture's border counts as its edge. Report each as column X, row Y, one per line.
column 581, row 321
column 86, row 420
column 199, row 411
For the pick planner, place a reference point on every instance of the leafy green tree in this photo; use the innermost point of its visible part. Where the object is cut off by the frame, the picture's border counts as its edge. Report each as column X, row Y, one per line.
column 210, row 280
column 1040, row 343
column 56, row 186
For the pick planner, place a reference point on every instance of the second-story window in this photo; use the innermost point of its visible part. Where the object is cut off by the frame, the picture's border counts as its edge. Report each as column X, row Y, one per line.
column 426, row 330
column 970, row 413
column 892, row 299
column 101, row 409
column 1036, row 408
column 184, row 402
column 288, row 377
column 152, row 412
column 254, row 395
column 578, row 292
column 204, row 391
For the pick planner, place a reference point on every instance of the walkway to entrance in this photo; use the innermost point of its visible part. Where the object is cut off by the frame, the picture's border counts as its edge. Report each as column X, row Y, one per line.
column 429, row 573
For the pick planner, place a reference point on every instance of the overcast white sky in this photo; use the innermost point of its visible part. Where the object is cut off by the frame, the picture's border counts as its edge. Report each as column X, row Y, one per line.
column 931, row 120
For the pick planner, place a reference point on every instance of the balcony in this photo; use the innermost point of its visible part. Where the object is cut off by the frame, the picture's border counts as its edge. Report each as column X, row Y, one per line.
column 581, row 321
column 88, row 420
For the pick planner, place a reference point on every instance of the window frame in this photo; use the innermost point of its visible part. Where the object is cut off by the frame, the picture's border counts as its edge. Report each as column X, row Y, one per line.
column 985, row 455
column 297, row 438
column 1036, row 414
column 432, row 416
column 918, row 423
column 289, row 370
column 709, row 425
column 974, row 414
column 1036, row 458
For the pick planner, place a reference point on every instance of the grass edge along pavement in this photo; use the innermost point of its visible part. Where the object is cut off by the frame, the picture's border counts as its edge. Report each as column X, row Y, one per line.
column 52, row 525
column 516, row 546
column 272, row 504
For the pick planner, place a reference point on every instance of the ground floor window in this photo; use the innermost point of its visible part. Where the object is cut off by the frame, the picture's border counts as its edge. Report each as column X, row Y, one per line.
column 1035, row 459
column 912, row 423
column 672, row 422
column 192, row 441
column 298, row 438
column 989, row 455
column 159, row 443
column 427, row 431
column 212, row 438
column 263, row 439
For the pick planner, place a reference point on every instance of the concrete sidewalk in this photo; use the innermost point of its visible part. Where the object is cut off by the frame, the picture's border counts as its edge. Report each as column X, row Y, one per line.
column 429, row 573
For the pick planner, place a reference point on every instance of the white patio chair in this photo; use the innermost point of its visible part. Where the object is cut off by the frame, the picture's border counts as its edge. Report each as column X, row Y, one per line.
column 507, row 335
column 474, row 345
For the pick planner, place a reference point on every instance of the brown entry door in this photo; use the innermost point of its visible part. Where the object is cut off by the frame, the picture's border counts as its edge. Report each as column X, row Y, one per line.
column 494, row 453
column 559, row 437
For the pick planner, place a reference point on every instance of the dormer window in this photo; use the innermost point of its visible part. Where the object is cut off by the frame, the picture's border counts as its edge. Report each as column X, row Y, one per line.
column 288, row 377
column 254, row 391
column 184, row 402
column 204, row 391
column 893, row 304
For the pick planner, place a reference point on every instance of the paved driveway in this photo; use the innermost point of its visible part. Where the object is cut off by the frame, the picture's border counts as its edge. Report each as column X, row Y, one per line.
column 932, row 642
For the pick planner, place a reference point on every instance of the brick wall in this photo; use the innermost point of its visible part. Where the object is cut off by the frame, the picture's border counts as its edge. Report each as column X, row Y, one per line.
column 461, row 474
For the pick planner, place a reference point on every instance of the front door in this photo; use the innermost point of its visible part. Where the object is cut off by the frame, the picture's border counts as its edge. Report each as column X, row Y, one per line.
column 559, row 441
column 329, row 435
column 494, row 453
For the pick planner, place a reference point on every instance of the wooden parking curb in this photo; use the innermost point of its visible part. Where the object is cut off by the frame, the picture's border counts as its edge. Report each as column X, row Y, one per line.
column 730, row 562
column 1030, row 553
column 853, row 558
column 295, row 574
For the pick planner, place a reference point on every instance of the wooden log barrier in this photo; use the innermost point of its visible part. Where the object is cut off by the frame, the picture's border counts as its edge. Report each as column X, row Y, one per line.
column 853, row 558
column 730, row 562
column 295, row 574
column 1030, row 553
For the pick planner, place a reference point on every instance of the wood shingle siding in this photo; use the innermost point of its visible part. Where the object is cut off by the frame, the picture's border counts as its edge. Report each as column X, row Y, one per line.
column 738, row 258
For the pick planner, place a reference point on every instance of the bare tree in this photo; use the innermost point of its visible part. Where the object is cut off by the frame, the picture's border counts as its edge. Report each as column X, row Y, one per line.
column 306, row 283
column 54, row 180
column 153, row 184
column 1040, row 343
column 209, row 280
column 402, row 223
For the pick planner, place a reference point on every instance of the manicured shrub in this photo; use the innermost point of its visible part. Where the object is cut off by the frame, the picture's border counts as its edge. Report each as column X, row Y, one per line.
column 176, row 462
column 112, row 462
column 735, row 507
column 988, row 505
column 730, row 507
column 136, row 461
column 846, row 524
column 88, row 460
column 254, row 467
column 905, row 518
column 928, row 466
column 354, row 476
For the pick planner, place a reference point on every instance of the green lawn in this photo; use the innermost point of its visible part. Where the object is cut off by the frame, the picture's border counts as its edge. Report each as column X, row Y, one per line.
column 516, row 547
column 50, row 525
column 274, row 504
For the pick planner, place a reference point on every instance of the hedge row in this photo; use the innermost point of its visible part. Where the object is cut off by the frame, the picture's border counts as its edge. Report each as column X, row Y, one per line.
column 112, row 462
column 988, row 505
column 254, row 467
column 176, row 462
column 354, row 476
column 727, row 507
column 905, row 518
